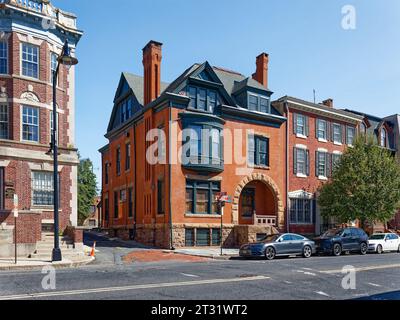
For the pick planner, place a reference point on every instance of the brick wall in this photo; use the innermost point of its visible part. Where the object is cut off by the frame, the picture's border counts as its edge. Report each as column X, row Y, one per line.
column 28, row 226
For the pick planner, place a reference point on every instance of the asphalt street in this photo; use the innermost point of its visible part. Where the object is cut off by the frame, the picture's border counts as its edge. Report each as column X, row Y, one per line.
column 377, row 277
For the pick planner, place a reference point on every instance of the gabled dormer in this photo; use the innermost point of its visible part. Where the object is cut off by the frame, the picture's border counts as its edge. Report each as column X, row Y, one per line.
column 204, row 89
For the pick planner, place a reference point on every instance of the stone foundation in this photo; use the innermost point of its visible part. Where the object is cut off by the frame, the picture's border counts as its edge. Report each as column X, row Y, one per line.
column 159, row 235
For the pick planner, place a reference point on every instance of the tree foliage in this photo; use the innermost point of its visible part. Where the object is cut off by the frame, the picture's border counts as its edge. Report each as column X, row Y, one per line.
column 365, row 185
column 87, row 189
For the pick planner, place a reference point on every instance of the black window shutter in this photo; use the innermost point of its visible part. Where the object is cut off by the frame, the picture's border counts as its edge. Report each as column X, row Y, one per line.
column 343, row 134
column 316, row 162
column 295, row 160
column 307, row 124
column 328, row 131
column 267, row 157
column 294, row 123
column 316, row 128
column 307, row 162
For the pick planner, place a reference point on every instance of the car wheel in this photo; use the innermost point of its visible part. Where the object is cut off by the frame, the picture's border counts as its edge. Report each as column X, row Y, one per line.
column 337, row 249
column 364, row 248
column 307, row 252
column 379, row 249
column 270, row 253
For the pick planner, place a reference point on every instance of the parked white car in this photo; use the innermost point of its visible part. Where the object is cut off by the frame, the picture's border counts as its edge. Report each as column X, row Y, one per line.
column 384, row 242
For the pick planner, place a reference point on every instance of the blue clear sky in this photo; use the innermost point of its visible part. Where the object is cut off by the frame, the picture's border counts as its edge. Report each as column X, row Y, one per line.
column 308, row 50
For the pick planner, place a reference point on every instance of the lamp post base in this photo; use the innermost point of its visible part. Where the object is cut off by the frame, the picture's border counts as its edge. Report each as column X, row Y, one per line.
column 56, row 255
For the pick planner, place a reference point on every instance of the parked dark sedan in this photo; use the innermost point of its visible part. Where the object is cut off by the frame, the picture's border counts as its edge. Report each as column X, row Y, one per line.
column 336, row 241
column 287, row 244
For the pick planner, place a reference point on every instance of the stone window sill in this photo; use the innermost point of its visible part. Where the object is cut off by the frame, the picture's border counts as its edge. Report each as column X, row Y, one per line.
column 323, row 178
column 301, row 136
column 301, row 175
column 322, row 140
column 337, row 143
column 191, row 215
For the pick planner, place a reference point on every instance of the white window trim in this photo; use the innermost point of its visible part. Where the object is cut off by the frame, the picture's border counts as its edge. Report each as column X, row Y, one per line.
column 322, row 178
column 301, row 136
column 322, row 150
column 20, row 61
column 8, row 56
column 32, row 190
column 337, row 152
column 301, row 175
column 8, row 119
column 301, row 146
column 21, row 124
column 337, row 143
column 322, row 140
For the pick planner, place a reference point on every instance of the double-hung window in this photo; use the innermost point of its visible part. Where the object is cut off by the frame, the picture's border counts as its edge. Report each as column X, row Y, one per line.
column 202, row 98
column 118, row 161
column 336, row 159
column 383, row 137
column 301, row 162
column 300, row 125
column 337, row 133
column 30, row 60
column 350, row 133
column 258, row 103
column 116, row 205
column 53, row 66
column 322, row 164
column 30, row 124
column 258, row 151
column 127, row 156
column 52, row 124
column 3, row 121
column 43, row 188
column 200, row 197
column 3, row 57
column 322, row 129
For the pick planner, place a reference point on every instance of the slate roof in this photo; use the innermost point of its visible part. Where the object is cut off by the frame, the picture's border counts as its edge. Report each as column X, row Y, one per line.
column 136, row 83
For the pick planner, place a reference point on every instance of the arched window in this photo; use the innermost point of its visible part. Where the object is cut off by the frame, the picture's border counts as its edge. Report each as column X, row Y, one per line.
column 383, row 137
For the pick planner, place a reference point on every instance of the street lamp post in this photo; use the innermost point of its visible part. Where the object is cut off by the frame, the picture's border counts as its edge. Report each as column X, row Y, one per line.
column 66, row 59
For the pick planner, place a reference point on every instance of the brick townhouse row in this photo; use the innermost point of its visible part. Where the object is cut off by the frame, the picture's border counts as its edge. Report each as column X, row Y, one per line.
column 269, row 156
column 29, row 48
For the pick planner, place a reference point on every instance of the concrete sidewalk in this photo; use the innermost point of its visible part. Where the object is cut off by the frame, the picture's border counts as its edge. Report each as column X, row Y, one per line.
column 29, row 264
column 212, row 253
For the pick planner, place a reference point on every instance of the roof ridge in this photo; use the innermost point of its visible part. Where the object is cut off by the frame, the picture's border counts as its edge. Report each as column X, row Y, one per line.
column 228, row 71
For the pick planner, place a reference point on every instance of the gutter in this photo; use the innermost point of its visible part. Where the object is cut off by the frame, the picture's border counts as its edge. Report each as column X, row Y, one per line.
column 286, row 108
column 135, row 177
column 171, row 244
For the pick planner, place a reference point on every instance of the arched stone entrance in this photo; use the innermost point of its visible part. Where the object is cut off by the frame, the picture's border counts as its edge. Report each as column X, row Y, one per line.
column 280, row 210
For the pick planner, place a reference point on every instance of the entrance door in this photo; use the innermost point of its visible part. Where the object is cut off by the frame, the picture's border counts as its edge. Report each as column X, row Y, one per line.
column 248, row 202
column 2, row 188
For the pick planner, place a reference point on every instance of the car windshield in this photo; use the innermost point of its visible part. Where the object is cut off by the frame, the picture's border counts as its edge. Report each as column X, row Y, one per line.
column 377, row 237
column 333, row 232
column 270, row 237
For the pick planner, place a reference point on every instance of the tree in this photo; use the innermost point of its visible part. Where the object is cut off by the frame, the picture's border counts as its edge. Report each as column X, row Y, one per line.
column 365, row 185
column 87, row 189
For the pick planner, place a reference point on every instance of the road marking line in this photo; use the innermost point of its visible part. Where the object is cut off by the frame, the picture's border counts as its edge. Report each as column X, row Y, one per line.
column 322, row 293
column 389, row 266
column 306, row 273
column 374, row 284
column 128, row 288
column 190, row 275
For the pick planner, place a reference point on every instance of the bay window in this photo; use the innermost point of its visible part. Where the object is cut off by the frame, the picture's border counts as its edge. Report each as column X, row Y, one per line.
column 301, row 210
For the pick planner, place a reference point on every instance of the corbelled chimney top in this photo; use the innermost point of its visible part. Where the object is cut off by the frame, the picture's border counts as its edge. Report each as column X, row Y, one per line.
column 152, row 43
column 152, row 55
column 261, row 74
column 328, row 103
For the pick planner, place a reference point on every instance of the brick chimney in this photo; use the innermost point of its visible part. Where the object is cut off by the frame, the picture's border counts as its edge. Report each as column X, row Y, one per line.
column 328, row 103
column 152, row 71
column 261, row 74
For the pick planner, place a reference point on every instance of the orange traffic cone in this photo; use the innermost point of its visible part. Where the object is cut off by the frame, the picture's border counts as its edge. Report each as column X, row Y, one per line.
column 92, row 252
